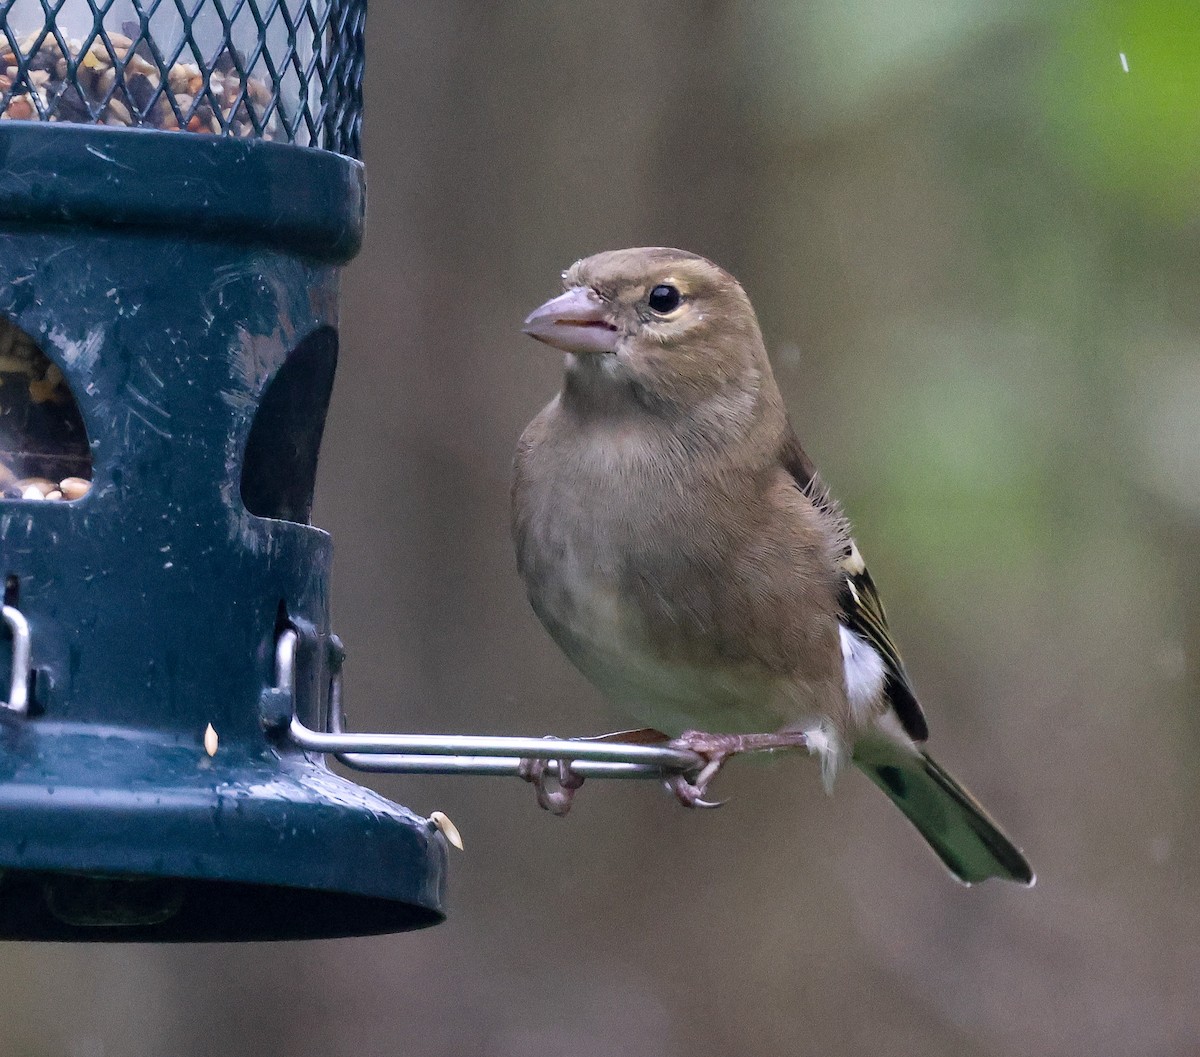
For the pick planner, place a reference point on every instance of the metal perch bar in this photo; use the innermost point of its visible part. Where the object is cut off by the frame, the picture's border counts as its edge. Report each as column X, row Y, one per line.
column 469, row 754
column 465, row 753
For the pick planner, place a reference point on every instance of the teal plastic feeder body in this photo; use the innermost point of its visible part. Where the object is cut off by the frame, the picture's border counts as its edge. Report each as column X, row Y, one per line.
column 186, row 288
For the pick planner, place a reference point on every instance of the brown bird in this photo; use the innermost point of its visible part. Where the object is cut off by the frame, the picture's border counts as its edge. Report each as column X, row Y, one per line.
column 681, row 549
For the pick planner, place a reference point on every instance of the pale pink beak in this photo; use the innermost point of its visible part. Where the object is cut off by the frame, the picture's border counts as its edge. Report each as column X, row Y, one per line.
column 576, row 321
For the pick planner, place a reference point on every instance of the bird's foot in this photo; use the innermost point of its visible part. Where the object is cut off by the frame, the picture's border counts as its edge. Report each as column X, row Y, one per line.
column 715, row 749
column 539, row 774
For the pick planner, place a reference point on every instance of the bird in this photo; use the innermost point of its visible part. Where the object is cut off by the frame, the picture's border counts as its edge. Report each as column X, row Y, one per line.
column 680, row 547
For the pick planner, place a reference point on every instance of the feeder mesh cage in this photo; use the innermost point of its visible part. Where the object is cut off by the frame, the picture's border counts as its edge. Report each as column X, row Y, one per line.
column 283, row 70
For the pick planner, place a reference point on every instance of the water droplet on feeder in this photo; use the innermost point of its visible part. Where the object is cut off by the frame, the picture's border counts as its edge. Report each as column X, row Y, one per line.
column 210, row 740
column 448, row 828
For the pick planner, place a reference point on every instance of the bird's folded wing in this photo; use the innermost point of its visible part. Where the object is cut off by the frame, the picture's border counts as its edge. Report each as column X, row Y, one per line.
column 862, row 609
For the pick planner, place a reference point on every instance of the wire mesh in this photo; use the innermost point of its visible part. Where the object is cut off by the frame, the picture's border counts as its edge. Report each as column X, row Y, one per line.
column 285, row 70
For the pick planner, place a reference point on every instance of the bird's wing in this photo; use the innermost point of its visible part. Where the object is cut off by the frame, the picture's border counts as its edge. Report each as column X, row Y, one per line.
column 862, row 609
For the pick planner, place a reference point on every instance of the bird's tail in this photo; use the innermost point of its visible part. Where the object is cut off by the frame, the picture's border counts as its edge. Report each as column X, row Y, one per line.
column 961, row 833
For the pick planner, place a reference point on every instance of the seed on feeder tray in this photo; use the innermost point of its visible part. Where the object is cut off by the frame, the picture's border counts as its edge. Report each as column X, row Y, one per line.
column 448, row 828
column 137, row 64
column 210, row 740
column 52, row 387
column 120, row 111
column 140, row 89
column 40, row 483
column 180, row 74
column 74, row 487
column 40, row 488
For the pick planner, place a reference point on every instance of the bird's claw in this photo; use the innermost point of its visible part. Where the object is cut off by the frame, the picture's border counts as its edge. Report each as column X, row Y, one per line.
column 691, row 794
column 538, row 774
column 715, row 749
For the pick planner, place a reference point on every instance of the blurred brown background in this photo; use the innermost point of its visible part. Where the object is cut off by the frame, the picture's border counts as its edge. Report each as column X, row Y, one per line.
column 972, row 240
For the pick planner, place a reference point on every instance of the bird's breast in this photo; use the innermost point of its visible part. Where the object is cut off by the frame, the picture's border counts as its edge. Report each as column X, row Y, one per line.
column 601, row 558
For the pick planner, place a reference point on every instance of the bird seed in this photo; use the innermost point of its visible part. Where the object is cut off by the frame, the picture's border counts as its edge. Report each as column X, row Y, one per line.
column 118, row 83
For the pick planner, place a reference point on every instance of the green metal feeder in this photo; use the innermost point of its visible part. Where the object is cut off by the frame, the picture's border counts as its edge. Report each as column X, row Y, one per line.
column 177, row 194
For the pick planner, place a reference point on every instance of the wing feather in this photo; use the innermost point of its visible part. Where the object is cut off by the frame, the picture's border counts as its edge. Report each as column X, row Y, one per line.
column 862, row 608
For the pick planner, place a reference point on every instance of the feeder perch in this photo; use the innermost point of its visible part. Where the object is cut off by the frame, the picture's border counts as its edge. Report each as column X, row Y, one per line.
column 179, row 186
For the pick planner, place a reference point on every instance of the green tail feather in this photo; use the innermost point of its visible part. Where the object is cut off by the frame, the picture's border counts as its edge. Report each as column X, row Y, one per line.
column 958, row 829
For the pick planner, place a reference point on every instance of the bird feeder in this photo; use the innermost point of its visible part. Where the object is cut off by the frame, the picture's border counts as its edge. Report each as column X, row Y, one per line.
column 178, row 189
column 179, row 186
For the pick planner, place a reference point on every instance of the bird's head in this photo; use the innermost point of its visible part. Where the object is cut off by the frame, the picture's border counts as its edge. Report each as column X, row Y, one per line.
column 662, row 327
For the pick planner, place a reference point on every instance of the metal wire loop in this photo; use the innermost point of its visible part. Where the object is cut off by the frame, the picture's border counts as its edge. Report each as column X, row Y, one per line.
column 285, row 664
column 18, row 691
column 467, row 753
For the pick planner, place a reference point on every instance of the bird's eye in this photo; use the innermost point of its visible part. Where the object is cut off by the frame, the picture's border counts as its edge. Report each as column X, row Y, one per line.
column 664, row 298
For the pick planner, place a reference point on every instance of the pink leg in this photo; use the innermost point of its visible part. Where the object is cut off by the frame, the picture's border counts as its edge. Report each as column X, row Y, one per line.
column 716, row 749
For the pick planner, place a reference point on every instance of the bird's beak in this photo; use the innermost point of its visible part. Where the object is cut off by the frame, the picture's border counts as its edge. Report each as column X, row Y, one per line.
column 576, row 321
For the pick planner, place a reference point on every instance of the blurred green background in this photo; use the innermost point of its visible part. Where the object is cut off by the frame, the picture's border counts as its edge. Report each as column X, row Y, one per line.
column 971, row 237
